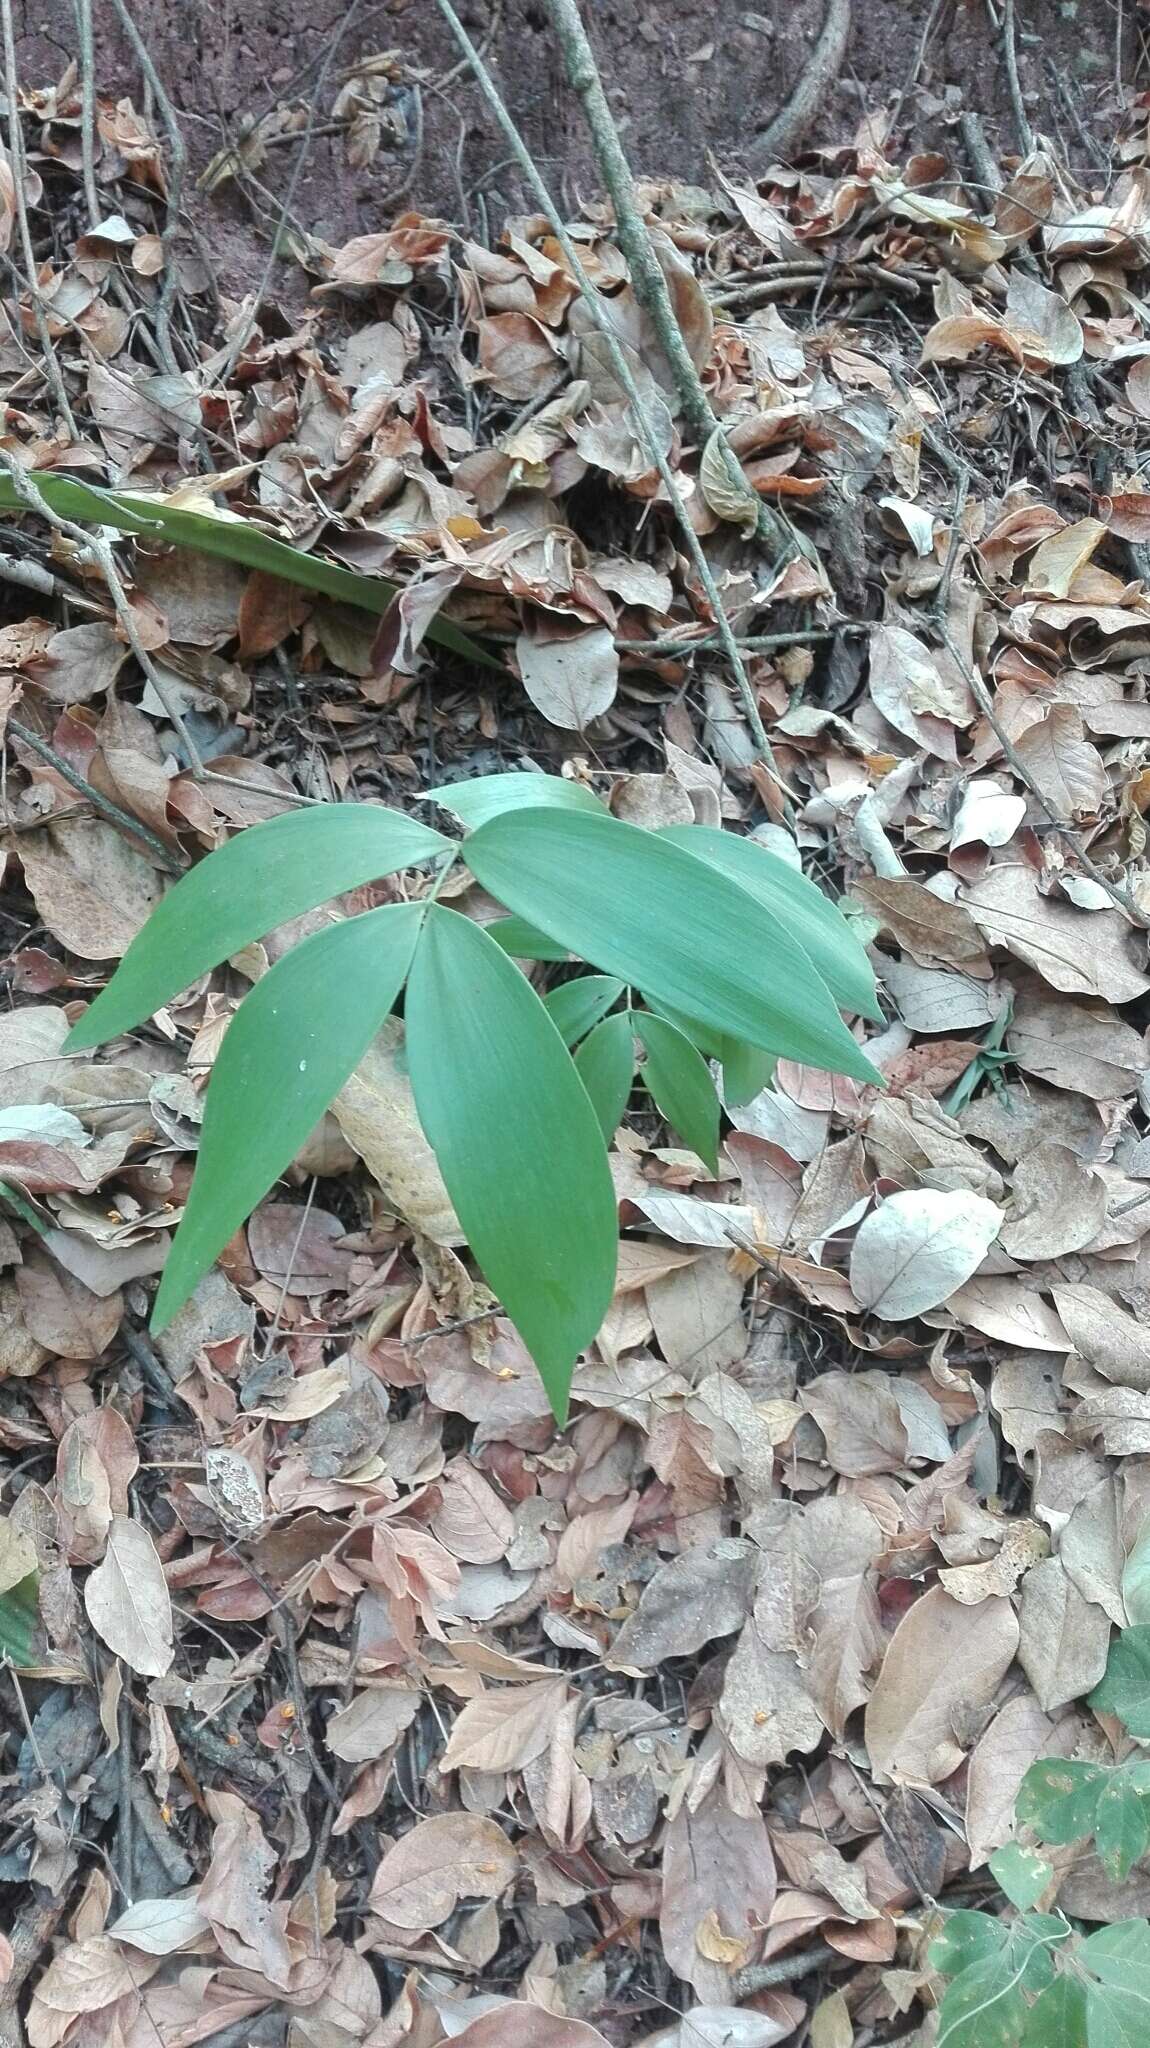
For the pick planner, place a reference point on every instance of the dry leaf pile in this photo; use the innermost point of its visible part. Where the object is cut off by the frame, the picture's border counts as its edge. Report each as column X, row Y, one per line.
column 363, row 1704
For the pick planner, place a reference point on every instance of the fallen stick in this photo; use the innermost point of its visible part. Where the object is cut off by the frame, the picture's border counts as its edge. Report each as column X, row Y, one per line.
column 622, row 370
column 791, row 124
column 647, row 278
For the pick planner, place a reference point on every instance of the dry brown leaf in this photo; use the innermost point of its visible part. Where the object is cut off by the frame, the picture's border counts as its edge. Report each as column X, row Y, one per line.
column 453, row 1856
column 944, row 1661
column 1090, row 953
column 1067, row 769
column 570, row 680
column 932, row 931
column 471, row 1521
column 373, row 1722
column 61, row 1313
column 504, row 1731
column 127, row 1601
column 914, row 1250
column 93, row 889
column 1106, row 1335
column 1063, row 1639
column 697, row 1597
column 1023, row 1546
column 842, row 1540
column 586, row 1538
column 697, row 1314
column 375, row 1110
column 714, row 1862
column 80, row 663
column 250, row 1929
column 1057, row 1205
column 1076, row 1046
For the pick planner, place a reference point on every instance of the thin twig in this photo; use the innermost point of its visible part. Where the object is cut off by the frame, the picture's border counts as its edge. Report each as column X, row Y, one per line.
column 647, row 275
column 32, row 498
column 622, row 370
column 83, row 9
column 788, row 130
column 115, row 816
column 1010, row 61
column 177, row 178
column 247, row 325
column 19, row 168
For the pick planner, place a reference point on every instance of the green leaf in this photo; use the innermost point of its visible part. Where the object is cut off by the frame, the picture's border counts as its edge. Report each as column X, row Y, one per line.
column 523, row 942
column 488, row 796
column 1125, row 1688
column 259, row 879
column 966, row 1937
column 1023, row 1874
column 578, row 1005
column 634, row 904
column 1120, row 1955
column 679, row 1080
column 810, row 917
column 1058, row 2016
column 517, row 1141
column 985, row 2006
column 1121, row 1827
column 746, row 1072
column 19, row 1615
column 289, row 1048
column 1058, row 1799
column 226, row 535
column 605, row 1063
column 1114, row 2018
column 1136, row 1580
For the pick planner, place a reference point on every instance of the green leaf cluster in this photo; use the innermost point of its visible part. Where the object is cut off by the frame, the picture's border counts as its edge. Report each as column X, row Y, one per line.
column 1034, row 1983
column 735, row 956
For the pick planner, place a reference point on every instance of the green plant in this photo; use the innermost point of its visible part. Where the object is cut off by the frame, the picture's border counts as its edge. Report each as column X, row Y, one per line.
column 736, row 956
column 1038, row 1981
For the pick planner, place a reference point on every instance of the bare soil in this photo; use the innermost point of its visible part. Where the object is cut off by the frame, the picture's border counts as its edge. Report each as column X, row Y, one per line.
column 687, row 78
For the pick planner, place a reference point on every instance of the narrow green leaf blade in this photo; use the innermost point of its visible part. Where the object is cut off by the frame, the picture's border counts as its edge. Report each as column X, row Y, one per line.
column 523, row 942
column 746, row 1072
column 811, row 918
column 680, row 1082
column 19, row 1614
column 635, row 904
column 287, row 1051
column 232, row 539
column 605, row 1063
column 259, row 879
column 489, row 796
column 577, row 1006
column 517, row 1141
column 1136, row 1580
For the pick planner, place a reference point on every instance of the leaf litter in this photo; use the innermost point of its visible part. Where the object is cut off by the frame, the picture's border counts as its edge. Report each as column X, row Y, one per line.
column 342, row 1693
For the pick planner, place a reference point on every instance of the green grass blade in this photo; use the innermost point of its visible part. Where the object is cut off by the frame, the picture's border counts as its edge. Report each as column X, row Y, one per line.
column 287, row 1051
column 517, row 1141
column 259, row 879
column 605, row 1063
column 19, row 1615
column 680, row 1082
column 488, row 796
column 230, row 538
column 577, row 1006
column 810, row 917
column 636, row 904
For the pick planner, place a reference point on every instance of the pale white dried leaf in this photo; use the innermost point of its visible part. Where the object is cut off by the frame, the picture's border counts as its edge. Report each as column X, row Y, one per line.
column 570, row 681
column 917, row 1247
column 127, row 1600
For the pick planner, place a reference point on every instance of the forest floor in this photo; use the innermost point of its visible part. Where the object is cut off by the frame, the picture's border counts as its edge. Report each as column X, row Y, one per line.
column 345, row 1702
